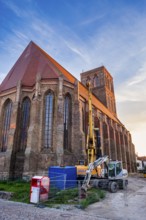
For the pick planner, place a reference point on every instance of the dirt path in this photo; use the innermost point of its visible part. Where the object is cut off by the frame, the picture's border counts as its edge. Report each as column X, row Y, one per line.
column 127, row 204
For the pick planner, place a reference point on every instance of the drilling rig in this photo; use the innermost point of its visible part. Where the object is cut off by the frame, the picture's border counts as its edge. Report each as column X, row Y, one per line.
column 93, row 149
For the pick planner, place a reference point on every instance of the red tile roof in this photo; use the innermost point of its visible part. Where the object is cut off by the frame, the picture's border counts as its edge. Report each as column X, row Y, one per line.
column 34, row 61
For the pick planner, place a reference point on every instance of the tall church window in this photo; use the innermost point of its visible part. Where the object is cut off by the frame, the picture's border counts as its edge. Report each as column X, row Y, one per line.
column 67, row 122
column 6, row 124
column 49, row 109
column 25, row 118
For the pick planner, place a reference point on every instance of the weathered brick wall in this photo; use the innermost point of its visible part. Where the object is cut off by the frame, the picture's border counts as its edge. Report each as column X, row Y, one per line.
column 116, row 141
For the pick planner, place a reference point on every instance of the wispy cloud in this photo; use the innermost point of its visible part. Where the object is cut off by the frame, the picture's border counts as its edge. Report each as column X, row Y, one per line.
column 134, row 88
column 111, row 45
column 140, row 77
column 91, row 20
column 20, row 35
column 120, row 46
column 74, row 49
column 14, row 8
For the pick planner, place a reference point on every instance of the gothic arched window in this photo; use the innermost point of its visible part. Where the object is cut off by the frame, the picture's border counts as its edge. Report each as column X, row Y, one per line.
column 67, row 122
column 49, row 109
column 6, row 124
column 25, row 118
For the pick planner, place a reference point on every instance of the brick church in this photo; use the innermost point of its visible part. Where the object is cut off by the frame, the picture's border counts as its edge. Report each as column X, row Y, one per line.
column 44, row 116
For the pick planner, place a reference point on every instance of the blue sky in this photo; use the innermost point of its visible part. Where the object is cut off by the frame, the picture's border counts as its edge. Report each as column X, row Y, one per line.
column 81, row 35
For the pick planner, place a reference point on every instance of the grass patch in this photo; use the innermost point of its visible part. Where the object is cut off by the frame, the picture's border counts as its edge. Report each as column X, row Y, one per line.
column 93, row 195
column 21, row 193
column 20, row 190
column 69, row 196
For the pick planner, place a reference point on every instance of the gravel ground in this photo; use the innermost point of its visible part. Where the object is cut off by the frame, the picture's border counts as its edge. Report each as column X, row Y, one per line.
column 127, row 204
column 19, row 211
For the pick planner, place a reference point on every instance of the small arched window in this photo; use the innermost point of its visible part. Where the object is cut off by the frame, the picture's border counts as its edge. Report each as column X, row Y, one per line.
column 49, row 109
column 67, row 122
column 6, row 124
column 96, row 81
column 25, row 118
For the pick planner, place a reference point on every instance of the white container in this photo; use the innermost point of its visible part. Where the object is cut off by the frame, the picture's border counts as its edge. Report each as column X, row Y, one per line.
column 39, row 189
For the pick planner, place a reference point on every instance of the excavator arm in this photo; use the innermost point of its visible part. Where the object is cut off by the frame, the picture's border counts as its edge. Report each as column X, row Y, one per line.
column 91, row 167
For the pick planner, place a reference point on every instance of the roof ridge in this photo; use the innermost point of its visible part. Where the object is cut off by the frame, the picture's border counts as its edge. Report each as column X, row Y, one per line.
column 61, row 68
column 31, row 60
column 10, row 72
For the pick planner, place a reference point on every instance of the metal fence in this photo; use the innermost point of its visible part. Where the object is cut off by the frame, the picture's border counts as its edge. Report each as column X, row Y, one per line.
column 59, row 188
column 62, row 192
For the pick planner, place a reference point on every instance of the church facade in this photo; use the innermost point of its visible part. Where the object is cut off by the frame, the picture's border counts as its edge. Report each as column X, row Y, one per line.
column 44, row 116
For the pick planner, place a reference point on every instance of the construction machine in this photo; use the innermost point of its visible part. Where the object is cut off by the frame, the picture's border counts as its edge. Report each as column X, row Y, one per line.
column 92, row 143
column 106, row 173
column 113, row 177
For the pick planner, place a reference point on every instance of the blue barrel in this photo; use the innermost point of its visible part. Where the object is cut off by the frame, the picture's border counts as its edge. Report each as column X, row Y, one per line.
column 63, row 177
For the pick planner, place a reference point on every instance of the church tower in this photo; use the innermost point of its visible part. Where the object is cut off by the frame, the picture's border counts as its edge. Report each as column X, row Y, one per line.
column 102, row 86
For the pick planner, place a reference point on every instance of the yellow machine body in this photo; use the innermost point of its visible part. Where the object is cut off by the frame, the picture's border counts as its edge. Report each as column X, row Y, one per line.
column 81, row 171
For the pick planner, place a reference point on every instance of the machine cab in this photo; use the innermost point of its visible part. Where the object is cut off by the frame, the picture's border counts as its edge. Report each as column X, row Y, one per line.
column 115, row 169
